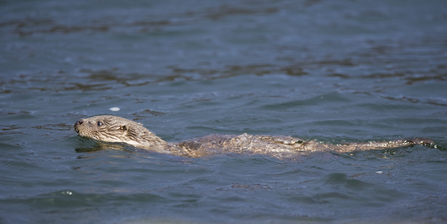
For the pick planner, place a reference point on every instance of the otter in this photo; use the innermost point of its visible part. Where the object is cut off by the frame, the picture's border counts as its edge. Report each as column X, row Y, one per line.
column 108, row 128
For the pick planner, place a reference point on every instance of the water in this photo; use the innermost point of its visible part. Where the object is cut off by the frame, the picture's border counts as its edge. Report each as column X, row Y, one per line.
column 336, row 71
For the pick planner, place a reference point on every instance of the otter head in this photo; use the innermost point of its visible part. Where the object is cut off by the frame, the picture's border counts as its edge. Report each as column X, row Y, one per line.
column 109, row 128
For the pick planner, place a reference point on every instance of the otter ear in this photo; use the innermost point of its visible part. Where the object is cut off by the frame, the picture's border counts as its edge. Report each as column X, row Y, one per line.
column 130, row 131
column 123, row 127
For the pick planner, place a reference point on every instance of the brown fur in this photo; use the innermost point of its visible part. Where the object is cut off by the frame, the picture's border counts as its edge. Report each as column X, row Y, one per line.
column 109, row 128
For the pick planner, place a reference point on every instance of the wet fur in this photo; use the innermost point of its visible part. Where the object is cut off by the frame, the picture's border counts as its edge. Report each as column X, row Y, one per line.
column 109, row 128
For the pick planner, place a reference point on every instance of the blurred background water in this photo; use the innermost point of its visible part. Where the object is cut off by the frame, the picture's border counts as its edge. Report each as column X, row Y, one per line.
column 336, row 71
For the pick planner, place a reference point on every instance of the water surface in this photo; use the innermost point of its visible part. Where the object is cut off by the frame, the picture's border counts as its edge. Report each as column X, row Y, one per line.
column 336, row 71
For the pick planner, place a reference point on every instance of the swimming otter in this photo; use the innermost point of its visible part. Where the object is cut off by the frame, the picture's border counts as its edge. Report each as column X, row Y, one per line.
column 109, row 128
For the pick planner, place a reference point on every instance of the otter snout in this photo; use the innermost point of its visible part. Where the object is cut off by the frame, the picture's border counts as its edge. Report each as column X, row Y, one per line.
column 77, row 124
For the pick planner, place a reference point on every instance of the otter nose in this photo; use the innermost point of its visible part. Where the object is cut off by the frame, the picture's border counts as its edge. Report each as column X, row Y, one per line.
column 79, row 122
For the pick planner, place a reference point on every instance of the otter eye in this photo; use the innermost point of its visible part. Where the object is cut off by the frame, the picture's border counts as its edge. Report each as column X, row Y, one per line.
column 99, row 123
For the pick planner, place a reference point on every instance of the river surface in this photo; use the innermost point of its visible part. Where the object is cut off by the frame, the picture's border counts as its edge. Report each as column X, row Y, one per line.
column 334, row 71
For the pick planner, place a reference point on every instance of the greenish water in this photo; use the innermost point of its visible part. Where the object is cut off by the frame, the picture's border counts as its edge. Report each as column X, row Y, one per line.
column 336, row 71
